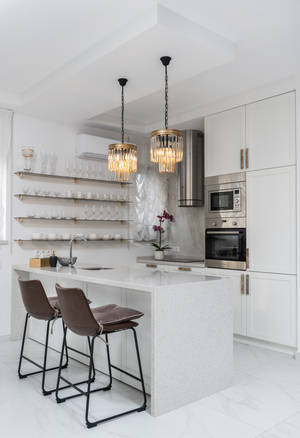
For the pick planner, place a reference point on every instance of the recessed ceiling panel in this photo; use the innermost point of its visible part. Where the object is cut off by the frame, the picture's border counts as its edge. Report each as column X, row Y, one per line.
column 87, row 86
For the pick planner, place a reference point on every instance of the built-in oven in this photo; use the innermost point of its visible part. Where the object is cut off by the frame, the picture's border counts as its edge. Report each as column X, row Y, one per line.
column 225, row 244
column 225, row 196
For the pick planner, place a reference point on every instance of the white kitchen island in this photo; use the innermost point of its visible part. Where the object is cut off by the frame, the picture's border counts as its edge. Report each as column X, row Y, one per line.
column 185, row 335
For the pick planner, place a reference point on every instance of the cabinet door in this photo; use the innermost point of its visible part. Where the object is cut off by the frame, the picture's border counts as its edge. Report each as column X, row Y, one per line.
column 271, row 220
column 270, row 132
column 271, row 308
column 224, row 139
column 238, row 296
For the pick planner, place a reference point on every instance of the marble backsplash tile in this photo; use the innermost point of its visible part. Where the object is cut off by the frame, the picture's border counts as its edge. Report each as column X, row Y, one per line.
column 188, row 230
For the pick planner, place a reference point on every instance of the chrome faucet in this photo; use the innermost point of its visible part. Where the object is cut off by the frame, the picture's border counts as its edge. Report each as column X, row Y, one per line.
column 75, row 237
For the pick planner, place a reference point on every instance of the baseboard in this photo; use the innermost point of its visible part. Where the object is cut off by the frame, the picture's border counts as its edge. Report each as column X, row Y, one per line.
column 267, row 345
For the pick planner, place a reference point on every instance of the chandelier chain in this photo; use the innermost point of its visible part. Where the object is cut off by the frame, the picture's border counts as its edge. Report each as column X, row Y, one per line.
column 166, row 97
column 122, row 115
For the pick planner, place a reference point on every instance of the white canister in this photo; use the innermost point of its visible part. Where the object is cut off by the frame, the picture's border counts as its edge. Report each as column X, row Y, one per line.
column 158, row 255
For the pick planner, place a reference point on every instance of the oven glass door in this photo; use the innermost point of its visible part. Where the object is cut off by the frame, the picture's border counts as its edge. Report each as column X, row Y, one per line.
column 222, row 201
column 228, row 244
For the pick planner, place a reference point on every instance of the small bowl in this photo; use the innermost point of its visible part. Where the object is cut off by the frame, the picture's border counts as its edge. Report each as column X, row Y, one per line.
column 65, row 261
column 92, row 236
column 36, row 236
column 52, row 236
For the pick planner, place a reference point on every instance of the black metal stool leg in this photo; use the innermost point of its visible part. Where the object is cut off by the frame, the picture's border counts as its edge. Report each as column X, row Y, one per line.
column 45, row 360
column 93, row 365
column 108, row 362
column 65, row 365
column 60, row 365
column 143, row 407
column 88, row 392
column 22, row 376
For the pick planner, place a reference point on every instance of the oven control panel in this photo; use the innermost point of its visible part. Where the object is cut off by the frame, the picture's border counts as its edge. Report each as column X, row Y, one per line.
column 228, row 222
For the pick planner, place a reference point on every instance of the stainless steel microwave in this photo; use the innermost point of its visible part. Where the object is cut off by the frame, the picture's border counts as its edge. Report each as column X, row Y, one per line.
column 226, row 195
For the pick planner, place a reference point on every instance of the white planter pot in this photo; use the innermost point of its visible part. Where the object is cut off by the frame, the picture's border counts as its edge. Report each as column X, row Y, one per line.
column 158, row 255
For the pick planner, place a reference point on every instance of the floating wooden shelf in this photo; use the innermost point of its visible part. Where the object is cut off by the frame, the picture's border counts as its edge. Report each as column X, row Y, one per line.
column 21, row 241
column 75, row 179
column 21, row 196
column 75, row 220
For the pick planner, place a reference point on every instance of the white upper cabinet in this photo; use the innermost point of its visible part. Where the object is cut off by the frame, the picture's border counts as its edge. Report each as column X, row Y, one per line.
column 271, row 307
column 271, row 220
column 260, row 135
column 224, row 140
column 270, row 132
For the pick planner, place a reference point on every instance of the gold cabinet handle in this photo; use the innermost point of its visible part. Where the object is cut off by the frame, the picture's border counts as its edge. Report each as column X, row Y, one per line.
column 242, row 158
column 246, row 158
column 182, row 268
column 247, row 258
column 247, row 284
column 242, row 284
column 151, row 265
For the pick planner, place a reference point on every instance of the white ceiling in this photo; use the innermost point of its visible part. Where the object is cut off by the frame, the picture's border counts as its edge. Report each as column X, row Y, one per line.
column 60, row 58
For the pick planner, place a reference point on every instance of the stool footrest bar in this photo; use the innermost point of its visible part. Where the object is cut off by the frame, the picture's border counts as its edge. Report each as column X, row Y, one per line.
column 125, row 372
column 79, row 352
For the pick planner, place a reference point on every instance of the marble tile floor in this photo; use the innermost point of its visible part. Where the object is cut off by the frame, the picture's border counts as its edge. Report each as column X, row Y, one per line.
column 263, row 402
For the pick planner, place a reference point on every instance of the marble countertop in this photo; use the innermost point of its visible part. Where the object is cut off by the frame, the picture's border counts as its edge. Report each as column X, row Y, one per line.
column 149, row 259
column 128, row 277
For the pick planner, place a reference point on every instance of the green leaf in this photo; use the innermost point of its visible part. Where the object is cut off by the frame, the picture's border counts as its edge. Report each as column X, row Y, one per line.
column 156, row 246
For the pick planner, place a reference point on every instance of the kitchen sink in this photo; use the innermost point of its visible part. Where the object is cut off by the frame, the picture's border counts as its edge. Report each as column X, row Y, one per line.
column 92, row 268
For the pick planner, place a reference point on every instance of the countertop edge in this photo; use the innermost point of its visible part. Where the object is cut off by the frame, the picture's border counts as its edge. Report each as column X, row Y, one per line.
column 84, row 277
column 145, row 260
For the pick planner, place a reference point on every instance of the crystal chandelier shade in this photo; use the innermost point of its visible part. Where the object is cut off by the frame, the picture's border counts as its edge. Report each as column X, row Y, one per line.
column 166, row 144
column 122, row 157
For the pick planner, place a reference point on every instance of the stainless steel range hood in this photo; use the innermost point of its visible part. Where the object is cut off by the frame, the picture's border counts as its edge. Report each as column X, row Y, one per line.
column 191, row 170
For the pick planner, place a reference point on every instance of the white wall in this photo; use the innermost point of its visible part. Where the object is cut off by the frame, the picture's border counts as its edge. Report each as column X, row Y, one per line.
column 5, row 281
column 49, row 136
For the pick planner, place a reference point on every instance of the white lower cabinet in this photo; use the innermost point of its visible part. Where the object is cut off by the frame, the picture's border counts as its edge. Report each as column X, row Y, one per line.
column 238, row 296
column 264, row 305
column 271, row 308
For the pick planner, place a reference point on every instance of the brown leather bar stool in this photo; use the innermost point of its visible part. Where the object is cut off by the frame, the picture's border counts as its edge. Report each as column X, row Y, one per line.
column 92, row 323
column 38, row 306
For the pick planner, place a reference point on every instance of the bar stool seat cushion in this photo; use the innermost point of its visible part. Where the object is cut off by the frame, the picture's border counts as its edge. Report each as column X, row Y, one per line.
column 112, row 314
column 55, row 303
column 120, row 326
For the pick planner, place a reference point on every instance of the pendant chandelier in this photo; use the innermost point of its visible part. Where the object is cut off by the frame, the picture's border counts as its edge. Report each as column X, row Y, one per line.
column 122, row 157
column 166, row 144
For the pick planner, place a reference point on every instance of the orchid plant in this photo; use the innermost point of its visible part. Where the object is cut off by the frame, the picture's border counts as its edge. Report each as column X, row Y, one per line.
column 159, row 228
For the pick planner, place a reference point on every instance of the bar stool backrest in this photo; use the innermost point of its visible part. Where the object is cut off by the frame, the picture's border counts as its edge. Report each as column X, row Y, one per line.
column 35, row 300
column 76, row 311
